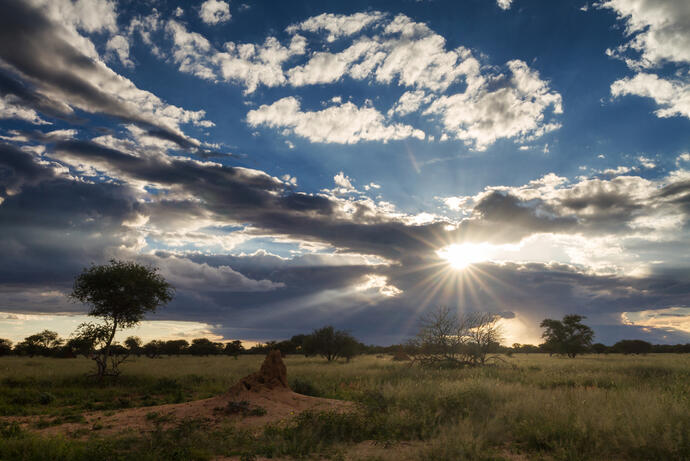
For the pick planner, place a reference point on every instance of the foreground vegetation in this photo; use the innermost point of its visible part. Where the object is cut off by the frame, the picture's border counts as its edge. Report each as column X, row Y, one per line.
column 530, row 405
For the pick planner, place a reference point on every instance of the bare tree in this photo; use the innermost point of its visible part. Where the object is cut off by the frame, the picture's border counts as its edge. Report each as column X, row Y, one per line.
column 448, row 340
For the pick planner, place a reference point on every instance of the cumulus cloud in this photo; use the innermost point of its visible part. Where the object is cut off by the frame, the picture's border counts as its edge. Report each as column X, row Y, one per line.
column 504, row 4
column 516, row 103
column 66, row 69
column 659, row 34
column 215, row 12
column 343, row 123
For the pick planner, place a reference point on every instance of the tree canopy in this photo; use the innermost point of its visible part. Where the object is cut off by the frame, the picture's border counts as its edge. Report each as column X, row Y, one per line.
column 569, row 336
column 120, row 293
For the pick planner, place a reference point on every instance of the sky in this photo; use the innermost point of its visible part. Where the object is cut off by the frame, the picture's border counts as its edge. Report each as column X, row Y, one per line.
column 288, row 165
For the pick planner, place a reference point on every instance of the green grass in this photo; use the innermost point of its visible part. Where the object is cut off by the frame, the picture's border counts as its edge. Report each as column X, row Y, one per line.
column 591, row 407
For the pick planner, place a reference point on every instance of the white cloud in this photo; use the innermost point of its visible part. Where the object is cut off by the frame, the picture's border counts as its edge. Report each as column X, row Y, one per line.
column 10, row 108
column 504, row 4
column 178, row 12
column 673, row 96
column 515, row 109
column 343, row 181
column 343, row 124
column 402, row 52
column 214, row 12
column 659, row 33
column 337, row 26
column 120, row 46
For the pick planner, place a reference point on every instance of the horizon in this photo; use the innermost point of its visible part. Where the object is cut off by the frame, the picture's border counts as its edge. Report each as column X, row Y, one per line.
column 289, row 166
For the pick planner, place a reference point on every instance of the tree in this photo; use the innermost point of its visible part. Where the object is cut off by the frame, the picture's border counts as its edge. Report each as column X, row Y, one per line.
column 204, row 346
column 633, row 346
column 175, row 346
column 39, row 344
column 569, row 336
column 330, row 344
column 600, row 348
column 120, row 293
column 133, row 344
column 153, row 349
column 446, row 339
column 233, row 348
column 5, row 347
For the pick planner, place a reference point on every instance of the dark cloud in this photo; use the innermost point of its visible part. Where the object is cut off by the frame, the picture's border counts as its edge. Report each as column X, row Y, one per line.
column 59, row 75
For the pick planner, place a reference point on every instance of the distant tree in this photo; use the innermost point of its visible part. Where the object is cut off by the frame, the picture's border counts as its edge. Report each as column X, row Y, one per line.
column 633, row 346
column 446, row 339
column 599, row 348
column 133, row 344
column 569, row 336
column 120, row 293
column 233, row 348
column 330, row 344
column 42, row 343
column 5, row 347
column 175, row 346
column 153, row 349
column 204, row 346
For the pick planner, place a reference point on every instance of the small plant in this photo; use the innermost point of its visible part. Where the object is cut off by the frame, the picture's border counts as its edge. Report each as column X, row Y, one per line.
column 242, row 408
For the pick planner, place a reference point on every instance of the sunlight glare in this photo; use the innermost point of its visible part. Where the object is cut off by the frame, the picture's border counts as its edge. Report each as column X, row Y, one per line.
column 462, row 255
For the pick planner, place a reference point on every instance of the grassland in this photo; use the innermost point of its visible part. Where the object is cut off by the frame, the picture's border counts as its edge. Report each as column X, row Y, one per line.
column 528, row 407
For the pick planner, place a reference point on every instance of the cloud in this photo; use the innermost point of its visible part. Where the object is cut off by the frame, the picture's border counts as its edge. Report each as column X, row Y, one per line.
column 515, row 109
column 401, row 53
column 659, row 34
column 504, row 4
column 672, row 96
column 66, row 72
column 120, row 46
column 343, row 123
column 214, row 12
column 337, row 26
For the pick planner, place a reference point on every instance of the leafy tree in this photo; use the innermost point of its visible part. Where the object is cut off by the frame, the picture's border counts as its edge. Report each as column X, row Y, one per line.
column 42, row 343
column 133, row 344
column 446, row 339
column 330, row 344
column 204, row 346
column 175, row 346
column 233, row 348
column 120, row 293
column 153, row 349
column 633, row 346
column 569, row 336
column 5, row 347
column 600, row 348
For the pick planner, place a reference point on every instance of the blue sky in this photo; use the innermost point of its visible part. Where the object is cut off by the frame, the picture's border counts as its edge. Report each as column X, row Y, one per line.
column 292, row 164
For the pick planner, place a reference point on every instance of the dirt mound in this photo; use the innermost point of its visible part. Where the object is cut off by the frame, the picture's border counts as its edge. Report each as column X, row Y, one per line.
column 271, row 375
column 256, row 400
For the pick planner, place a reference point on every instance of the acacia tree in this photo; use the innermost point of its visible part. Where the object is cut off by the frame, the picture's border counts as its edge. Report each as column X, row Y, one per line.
column 446, row 339
column 120, row 293
column 330, row 344
column 569, row 336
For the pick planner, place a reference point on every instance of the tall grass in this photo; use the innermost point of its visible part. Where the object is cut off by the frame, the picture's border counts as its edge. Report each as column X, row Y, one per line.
column 591, row 407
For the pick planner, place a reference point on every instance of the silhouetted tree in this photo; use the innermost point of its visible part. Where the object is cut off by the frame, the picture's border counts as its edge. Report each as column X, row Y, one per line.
column 233, row 348
column 633, row 346
column 569, row 336
column 5, row 347
column 42, row 343
column 133, row 344
column 153, row 349
column 599, row 348
column 175, row 346
column 204, row 346
column 120, row 293
column 446, row 339
column 330, row 343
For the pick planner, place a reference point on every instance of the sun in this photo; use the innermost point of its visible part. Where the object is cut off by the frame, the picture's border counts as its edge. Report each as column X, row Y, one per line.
column 459, row 256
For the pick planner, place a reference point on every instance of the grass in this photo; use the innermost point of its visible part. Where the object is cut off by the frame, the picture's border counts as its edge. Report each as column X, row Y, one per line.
column 539, row 407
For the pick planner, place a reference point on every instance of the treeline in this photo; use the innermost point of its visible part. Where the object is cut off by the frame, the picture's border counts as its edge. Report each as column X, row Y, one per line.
column 327, row 342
